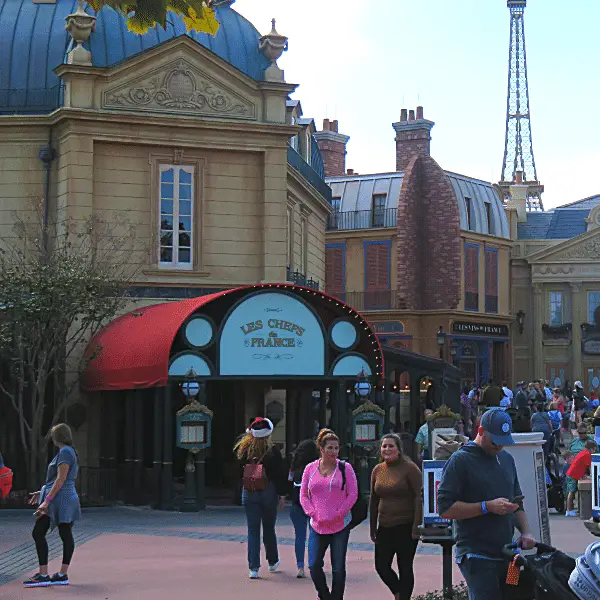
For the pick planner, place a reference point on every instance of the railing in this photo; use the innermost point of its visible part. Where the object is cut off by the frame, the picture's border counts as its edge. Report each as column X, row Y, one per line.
column 300, row 279
column 97, row 485
column 297, row 161
column 362, row 219
column 370, row 300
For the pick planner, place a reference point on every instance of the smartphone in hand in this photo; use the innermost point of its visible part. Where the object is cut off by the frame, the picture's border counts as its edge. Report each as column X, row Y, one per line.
column 517, row 499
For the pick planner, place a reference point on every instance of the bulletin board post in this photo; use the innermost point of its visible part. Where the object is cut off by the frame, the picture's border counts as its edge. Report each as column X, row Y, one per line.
column 435, row 529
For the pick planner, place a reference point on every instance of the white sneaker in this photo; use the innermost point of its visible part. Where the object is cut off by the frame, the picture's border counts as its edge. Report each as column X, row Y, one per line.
column 300, row 573
column 273, row 568
column 253, row 574
column 571, row 513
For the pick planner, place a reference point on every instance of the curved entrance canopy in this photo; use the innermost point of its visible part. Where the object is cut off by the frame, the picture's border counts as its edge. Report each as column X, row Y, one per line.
column 262, row 331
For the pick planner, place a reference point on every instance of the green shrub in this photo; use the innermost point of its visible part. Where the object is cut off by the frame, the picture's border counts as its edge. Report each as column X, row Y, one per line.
column 460, row 593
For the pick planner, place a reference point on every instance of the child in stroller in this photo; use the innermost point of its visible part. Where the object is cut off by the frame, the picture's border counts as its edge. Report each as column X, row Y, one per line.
column 543, row 575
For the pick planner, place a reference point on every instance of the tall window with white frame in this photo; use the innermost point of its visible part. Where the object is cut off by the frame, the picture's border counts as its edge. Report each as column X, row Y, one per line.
column 555, row 301
column 469, row 208
column 176, row 225
column 593, row 304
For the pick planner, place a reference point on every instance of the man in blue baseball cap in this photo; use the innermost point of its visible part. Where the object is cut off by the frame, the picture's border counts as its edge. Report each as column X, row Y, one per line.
column 480, row 490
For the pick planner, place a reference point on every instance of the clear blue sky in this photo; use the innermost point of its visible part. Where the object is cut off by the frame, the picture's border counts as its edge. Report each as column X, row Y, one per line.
column 361, row 61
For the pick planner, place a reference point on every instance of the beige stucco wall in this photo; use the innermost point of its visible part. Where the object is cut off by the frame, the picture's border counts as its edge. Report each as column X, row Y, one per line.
column 22, row 176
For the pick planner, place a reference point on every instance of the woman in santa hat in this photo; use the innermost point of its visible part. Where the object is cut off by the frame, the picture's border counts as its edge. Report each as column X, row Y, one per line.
column 264, row 488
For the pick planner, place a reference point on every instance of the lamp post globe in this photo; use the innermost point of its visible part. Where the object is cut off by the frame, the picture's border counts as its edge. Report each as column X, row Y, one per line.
column 191, row 387
column 362, row 387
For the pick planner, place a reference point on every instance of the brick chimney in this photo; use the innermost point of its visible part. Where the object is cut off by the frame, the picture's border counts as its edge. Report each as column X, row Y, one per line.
column 412, row 136
column 332, row 145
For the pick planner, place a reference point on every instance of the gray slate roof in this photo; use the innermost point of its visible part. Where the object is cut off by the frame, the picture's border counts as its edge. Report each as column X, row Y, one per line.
column 562, row 223
column 356, row 194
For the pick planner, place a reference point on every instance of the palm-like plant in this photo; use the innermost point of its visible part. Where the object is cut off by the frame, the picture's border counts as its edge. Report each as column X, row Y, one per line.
column 142, row 15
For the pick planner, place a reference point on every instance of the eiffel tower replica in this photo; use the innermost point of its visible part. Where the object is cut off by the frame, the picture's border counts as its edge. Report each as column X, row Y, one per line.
column 518, row 165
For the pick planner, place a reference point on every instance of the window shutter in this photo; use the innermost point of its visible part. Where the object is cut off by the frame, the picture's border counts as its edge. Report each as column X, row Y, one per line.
column 471, row 277
column 377, row 265
column 335, row 269
column 491, row 281
column 377, row 276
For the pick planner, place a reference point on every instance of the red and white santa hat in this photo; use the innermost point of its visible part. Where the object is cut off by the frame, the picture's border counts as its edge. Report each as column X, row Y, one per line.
column 261, row 427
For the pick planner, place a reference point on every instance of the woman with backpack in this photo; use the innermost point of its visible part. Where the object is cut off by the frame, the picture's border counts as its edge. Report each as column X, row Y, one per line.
column 328, row 492
column 305, row 453
column 396, row 511
column 263, row 490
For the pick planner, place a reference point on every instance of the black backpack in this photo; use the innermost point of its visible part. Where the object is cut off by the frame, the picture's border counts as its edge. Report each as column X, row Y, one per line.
column 360, row 510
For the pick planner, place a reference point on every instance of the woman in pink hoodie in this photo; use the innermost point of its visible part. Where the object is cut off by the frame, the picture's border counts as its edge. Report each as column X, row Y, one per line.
column 327, row 494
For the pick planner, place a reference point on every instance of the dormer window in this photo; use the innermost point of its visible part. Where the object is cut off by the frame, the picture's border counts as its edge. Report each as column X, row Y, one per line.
column 378, row 210
column 488, row 216
column 470, row 222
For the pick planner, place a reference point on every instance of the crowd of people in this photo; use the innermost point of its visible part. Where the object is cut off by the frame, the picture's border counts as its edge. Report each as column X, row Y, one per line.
column 479, row 490
column 324, row 497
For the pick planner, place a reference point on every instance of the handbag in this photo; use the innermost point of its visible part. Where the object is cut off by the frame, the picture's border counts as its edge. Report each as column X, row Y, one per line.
column 360, row 510
column 255, row 476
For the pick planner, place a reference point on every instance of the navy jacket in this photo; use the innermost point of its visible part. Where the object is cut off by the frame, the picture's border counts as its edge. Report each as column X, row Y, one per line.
column 472, row 475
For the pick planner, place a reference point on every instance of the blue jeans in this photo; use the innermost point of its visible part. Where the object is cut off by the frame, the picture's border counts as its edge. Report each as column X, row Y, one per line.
column 485, row 578
column 261, row 507
column 300, row 522
column 317, row 546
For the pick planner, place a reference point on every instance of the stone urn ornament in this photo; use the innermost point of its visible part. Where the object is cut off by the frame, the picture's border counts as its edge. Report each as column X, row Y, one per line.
column 272, row 46
column 80, row 25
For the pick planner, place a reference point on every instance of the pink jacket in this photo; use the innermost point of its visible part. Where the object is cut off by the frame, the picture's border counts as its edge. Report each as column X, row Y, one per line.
column 323, row 499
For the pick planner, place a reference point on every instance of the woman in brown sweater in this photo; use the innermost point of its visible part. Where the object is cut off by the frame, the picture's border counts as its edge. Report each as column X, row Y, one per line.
column 396, row 512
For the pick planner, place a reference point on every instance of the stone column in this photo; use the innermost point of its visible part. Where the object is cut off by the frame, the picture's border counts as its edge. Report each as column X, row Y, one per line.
column 577, row 302
column 538, row 346
column 274, row 235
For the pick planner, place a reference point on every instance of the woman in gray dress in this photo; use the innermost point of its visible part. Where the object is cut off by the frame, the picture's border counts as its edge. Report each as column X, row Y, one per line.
column 58, row 507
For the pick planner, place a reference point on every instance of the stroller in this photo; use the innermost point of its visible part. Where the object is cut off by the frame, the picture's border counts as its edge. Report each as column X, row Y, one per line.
column 555, row 481
column 544, row 575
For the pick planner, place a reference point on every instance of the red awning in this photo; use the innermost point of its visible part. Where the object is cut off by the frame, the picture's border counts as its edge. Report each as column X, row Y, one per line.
column 133, row 351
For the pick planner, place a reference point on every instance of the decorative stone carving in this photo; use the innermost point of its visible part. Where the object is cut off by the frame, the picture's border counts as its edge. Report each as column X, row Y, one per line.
column 589, row 249
column 575, row 287
column 179, row 87
column 554, row 269
column 80, row 25
column 273, row 45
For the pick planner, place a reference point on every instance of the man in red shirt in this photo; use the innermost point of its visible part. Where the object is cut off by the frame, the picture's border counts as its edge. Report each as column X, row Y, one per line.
column 579, row 467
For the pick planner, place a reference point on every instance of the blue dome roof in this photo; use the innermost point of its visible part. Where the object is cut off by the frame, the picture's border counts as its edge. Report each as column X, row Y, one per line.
column 33, row 42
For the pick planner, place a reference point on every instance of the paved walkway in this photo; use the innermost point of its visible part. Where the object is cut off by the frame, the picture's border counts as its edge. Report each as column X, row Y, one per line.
column 125, row 553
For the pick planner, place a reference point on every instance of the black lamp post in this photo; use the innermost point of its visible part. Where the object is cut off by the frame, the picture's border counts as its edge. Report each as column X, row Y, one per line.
column 441, row 340
column 190, row 388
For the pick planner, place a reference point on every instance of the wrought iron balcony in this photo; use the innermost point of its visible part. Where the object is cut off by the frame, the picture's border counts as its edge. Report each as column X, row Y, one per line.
column 296, row 161
column 370, row 300
column 300, row 279
column 362, row 219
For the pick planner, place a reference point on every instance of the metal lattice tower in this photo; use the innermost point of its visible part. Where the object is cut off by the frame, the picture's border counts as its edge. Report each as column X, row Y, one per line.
column 519, row 161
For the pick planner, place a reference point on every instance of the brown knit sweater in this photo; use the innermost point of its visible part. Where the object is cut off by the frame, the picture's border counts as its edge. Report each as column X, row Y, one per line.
column 396, row 495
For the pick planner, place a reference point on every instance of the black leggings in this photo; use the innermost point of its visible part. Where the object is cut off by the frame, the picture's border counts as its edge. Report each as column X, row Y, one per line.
column 396, row 541
column 65, row 530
